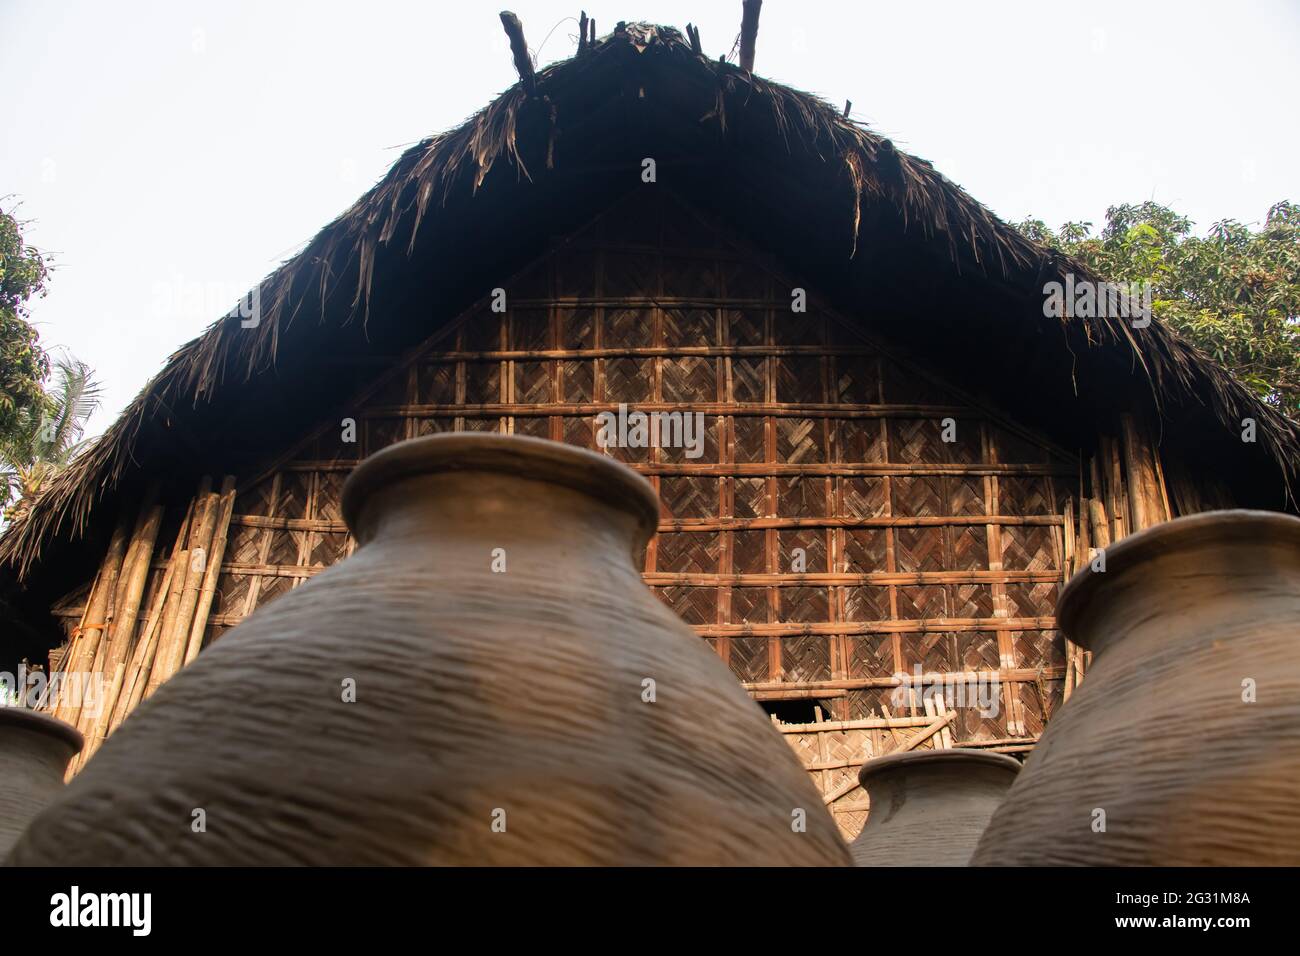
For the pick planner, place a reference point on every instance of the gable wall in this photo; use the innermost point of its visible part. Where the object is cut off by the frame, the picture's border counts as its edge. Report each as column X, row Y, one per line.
column 919, row 552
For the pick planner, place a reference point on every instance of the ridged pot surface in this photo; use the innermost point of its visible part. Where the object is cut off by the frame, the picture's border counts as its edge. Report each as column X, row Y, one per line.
column 500, row 716
column 929, row 807
column 34, row 753
column 1182, row 745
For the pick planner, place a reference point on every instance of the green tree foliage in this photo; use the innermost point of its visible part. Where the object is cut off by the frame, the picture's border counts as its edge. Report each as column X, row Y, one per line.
column 46, row 436
column 1234, row 294
column 23, row 364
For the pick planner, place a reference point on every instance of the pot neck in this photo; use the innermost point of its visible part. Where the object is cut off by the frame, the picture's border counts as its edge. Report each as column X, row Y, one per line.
column 41, row 726
column 566, row 504
column 919, row 777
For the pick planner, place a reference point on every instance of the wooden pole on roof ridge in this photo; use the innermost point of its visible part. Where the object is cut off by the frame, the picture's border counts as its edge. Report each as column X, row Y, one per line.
column 519, row 50
column 749, row 33
column 693, row 34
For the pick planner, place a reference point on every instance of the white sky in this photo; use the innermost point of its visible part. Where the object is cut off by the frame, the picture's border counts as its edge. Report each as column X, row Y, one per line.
column 172, row 154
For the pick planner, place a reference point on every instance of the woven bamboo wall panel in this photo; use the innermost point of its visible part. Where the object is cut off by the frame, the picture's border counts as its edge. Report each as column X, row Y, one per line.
column 843, row 517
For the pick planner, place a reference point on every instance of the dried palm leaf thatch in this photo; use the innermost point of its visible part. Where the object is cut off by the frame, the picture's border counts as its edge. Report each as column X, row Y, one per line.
column 699, row 104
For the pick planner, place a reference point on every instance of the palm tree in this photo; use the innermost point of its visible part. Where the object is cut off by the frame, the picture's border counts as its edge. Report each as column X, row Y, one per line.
column 48, row 436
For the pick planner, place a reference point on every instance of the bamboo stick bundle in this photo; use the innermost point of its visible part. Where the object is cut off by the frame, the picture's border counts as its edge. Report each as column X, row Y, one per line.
column 99, row 726
column 216, row 553
column 81, row 655
column 96, row 734
column 132, row 581
column 179, row 569
column 174, row 641
column 132, row 558
column 1147, row 493
column 1119, row 501
column 131, row 588
column 1098, row 482
column 135, row 572
column 142, row 659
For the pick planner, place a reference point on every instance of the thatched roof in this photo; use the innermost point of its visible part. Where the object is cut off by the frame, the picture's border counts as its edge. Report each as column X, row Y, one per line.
column 870, row 223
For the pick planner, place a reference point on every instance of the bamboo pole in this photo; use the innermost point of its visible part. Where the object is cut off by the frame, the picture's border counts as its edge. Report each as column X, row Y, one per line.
column 99, row 729
column 166, row 589
column 175, row 639
column 1070, row 554
column 1100, row 524
column 171, row 647
column 135, row 574
column 216, row 552
column 1119, row 501
column 142, row 660
column 1083, row 545
column 81, row 655
column 180, row 561
column 1083, row 542
column 1148, row 500
column 145, row 671
column 1068, row 563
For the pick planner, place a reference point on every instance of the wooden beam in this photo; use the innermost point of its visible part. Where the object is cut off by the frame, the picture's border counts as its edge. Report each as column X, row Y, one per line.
column 797, row 694
column 749, row 33
column 756, row 469
column 877, row 578
column 693, row 34
column 700, row 526
column 519, row 50
column 863, row 723
column 1010, row 676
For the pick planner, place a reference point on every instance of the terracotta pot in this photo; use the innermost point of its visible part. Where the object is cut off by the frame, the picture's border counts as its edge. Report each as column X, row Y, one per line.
column 929, row 807
column 552, row 711
column 35, row 750
column 1162, row 743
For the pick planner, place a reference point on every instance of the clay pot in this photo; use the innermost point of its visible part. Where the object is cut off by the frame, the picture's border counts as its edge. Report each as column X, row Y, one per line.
column 520, row 698
column 35, row 750
column 1184, row 738
column 929, row 807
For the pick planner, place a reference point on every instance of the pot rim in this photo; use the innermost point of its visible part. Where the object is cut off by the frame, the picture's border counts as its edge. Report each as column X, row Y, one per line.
column 24, row 718
column 535, row 459
column 1229, row 526
column 955, row 756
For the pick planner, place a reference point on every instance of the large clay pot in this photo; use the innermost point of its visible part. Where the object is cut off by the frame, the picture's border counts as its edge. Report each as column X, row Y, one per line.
column 929, row 807
column 520, row 698
column 35, row 750
column 1183, row 741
